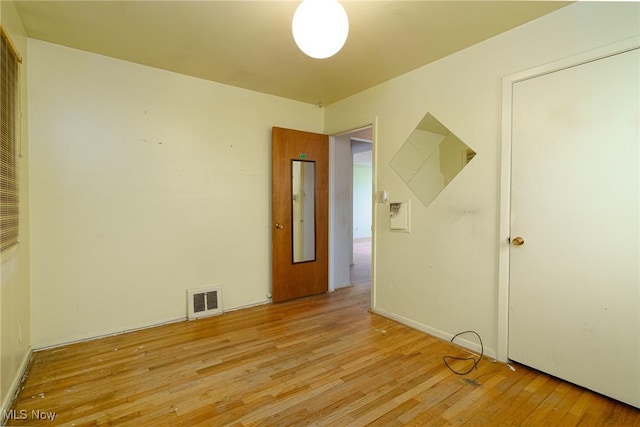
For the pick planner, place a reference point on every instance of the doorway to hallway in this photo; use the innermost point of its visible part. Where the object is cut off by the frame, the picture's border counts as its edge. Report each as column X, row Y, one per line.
column 361, row 196
column 351, row 209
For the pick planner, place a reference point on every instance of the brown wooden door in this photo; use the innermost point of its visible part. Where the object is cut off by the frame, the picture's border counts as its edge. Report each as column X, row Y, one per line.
column 311, row 276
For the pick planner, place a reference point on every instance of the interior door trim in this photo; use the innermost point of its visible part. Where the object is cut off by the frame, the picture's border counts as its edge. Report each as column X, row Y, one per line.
column 505, row 170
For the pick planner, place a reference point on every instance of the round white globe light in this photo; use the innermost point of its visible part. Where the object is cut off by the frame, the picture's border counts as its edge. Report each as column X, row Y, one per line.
column 320, row 27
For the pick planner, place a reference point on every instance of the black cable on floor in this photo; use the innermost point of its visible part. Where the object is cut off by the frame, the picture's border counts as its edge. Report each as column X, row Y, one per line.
column 475, row 361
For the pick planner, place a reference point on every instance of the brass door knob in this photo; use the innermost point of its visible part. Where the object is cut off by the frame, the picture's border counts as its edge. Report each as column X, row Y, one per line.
column 517, row 241
column 279, row 226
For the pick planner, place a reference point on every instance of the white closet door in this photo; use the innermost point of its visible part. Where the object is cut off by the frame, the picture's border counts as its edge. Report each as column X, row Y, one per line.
column 574, row 290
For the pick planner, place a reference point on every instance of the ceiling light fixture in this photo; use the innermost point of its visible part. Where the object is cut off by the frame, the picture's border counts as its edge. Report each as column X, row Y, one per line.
column 320, row 27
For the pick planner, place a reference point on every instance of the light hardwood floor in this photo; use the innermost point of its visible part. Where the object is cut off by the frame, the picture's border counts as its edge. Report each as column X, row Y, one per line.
column 360, row 272
column 324, row 360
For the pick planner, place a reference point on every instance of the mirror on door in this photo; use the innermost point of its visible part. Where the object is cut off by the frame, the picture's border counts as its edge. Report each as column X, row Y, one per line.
column 303, row 185
column 430, row 158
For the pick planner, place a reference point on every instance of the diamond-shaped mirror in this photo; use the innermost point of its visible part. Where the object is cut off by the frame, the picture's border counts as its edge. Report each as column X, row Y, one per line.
column 430, row 158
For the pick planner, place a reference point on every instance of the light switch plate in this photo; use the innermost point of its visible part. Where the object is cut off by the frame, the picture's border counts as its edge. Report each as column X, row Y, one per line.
column 399, row 216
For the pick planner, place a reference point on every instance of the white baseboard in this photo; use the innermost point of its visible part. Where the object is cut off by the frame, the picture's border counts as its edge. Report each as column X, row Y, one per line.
column 14, row 388
column 242, row 307
column 40, row 347
column 471, row 345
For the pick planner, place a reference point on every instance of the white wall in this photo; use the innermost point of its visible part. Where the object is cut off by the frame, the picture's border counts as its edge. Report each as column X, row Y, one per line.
column 144, row 184
column 14, row 263
column 442, row 277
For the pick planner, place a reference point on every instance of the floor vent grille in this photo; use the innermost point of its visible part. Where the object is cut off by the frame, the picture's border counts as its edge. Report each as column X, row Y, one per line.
column 204, row 302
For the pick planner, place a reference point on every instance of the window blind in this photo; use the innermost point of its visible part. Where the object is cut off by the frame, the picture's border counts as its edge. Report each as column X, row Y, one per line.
column 9, row 197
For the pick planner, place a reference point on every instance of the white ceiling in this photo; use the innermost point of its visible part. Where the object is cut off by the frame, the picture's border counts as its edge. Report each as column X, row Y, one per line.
column 248, row 44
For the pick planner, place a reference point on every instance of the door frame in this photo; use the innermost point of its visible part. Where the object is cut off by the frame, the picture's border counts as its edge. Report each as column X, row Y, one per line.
column 373, row 123
column 505, row 170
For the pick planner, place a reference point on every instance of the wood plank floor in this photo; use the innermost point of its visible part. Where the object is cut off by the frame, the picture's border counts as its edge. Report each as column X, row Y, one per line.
column 324, row 360
column 360, row 272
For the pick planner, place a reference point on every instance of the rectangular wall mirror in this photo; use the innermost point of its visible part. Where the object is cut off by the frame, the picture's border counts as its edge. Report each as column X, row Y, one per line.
column 303, row 209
